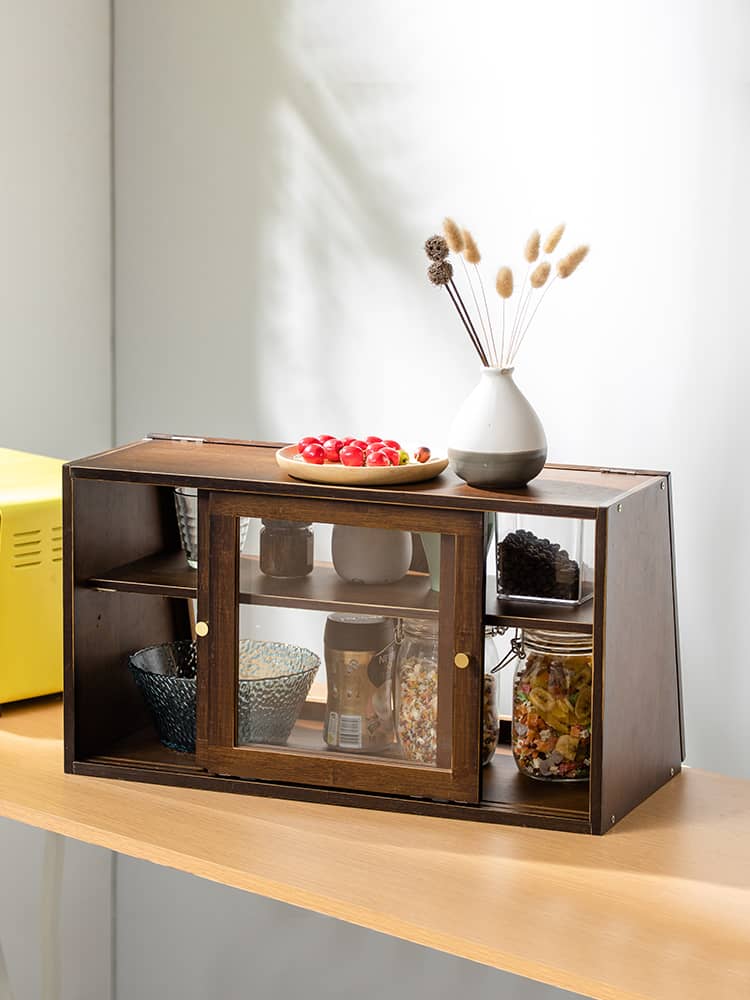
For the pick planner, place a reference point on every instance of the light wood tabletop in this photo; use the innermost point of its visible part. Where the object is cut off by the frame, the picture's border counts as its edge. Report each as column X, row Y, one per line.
column 658, row 908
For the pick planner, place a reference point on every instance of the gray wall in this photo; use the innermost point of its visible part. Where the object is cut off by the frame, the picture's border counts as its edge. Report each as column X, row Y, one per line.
column 258, row 949
column 55, row 397
column 55, row 916
column 55, row 235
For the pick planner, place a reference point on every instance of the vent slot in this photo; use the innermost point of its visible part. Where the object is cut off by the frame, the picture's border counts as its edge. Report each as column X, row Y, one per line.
column 57, row 544
column 27, row 548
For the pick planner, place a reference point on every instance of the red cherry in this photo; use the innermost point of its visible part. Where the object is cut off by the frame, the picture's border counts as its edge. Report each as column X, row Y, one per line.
column 394, row 456
column 304, row 442
column 374, row 440
column 332, row 447
column 314, row 454
column 378, row 459
column 347, row 440
column 356, row 443
column 352, row 456
column 375, row 446
column 325, row 437
column 392, row 444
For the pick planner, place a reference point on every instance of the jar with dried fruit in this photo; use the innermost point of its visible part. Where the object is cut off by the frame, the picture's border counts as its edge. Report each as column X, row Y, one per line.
column 416, row 690
column 551, row 732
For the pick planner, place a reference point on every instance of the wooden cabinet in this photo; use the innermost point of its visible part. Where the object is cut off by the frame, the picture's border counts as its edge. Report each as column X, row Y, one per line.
column 128, row 586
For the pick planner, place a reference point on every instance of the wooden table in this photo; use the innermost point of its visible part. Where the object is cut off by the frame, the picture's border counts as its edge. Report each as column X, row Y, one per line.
column 658, row 908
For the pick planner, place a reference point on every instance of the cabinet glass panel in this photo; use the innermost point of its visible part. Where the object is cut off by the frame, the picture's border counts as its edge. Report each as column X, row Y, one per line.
column 339, row 643
column 343, row 644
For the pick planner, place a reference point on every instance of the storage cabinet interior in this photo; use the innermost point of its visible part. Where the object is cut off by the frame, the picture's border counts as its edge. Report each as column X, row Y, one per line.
column 416, row 559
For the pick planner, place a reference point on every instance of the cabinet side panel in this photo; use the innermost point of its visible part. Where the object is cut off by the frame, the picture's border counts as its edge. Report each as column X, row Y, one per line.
column 106, row 525
column 641, row 711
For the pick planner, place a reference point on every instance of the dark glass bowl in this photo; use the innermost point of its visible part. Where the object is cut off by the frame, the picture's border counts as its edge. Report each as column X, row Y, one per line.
column 275, row 679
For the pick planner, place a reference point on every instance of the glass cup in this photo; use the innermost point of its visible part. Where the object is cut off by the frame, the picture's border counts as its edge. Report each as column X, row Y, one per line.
column 186, row 505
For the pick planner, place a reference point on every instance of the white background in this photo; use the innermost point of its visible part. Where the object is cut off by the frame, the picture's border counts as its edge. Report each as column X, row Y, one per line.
column 277, row 167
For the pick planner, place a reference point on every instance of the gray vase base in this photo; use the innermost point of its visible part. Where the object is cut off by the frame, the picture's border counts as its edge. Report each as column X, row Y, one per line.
column 492, row 470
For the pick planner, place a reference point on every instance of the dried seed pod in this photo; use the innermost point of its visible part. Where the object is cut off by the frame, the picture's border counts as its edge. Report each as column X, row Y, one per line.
column 540, row 274
column 453, row 235
column 531, row 252
column 436, row 248
column 441, row 272
column 566, row 265
column 504, row 283
column 471, row 250
column 550, row 244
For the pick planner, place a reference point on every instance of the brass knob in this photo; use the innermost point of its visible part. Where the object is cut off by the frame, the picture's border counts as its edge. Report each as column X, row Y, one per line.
column 201, row 628
column 461, row 660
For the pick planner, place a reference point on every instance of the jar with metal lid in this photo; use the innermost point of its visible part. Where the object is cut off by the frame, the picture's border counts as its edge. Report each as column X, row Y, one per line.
column 416, row 689
column 359, row 652
column 551, row 730
column 286, row 549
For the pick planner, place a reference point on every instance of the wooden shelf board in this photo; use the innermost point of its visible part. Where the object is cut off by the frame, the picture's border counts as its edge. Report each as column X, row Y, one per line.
column 503, row 785
column 533, row 614
column 672, row 879
column 167, row 574
column 569, row 490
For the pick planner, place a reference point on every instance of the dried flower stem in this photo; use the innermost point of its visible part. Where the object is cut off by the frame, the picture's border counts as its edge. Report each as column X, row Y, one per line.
column 490, row 337
column 476, row 301
column 520, row 309
column 533, row 314
column 466, row 320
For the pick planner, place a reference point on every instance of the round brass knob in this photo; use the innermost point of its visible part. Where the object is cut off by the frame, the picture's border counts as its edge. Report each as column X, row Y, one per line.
column 461, row 660
column 201, row 628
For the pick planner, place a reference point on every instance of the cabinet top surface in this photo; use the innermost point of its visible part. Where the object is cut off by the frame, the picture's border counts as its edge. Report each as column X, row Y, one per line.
column 659, row 908
column 252, row 467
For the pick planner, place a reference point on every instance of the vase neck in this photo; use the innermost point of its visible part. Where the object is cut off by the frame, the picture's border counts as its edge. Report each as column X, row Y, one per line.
column 498, row 373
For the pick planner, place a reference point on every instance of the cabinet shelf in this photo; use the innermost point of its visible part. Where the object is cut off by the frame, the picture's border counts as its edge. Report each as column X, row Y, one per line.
column 167, row 574
column 537, row 614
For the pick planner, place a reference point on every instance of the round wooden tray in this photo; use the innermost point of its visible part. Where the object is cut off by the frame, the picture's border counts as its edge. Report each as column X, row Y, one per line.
column 294, row 465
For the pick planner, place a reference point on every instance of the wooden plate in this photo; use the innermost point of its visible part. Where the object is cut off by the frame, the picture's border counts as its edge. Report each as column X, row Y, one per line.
column 343, row 475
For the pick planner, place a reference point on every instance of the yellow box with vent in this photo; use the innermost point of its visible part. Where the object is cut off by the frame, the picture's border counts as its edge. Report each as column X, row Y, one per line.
column 31, row 655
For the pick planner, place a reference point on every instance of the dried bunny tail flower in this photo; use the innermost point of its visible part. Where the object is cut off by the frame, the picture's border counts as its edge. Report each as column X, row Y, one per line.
column 441, row 272
column 504, row 283
column 540, row 274
column 531, row 251
column 453, row 235
column 471, row 250
column 550, row 244
column 566, row 265
column 436, row 248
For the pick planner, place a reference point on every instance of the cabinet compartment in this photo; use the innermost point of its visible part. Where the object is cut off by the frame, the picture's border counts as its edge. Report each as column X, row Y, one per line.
column 456, row 610
column 128, row 585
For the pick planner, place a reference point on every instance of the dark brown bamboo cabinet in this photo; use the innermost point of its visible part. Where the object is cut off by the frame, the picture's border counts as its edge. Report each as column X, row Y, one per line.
column 128, row 585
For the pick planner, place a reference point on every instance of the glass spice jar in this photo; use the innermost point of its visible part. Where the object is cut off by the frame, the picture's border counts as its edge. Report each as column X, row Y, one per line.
column 551, row 730
column 286, row 549
column 416, row 690
column 490, row 718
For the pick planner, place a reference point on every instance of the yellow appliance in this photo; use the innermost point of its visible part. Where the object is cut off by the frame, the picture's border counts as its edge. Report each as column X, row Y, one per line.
column 30, row 575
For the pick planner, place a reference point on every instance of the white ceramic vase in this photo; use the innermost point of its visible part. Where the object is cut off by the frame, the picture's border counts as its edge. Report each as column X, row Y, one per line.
column 497, row 440
column 370, row 555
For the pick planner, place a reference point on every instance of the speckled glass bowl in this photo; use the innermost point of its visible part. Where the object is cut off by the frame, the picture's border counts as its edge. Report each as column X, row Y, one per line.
column 275, row 679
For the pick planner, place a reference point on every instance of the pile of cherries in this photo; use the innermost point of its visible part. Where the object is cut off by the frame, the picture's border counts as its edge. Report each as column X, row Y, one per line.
column 373, row 451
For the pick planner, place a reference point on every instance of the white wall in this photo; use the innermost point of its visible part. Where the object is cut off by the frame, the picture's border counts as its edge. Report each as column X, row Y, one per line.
column 55, row 301
column 280, row 164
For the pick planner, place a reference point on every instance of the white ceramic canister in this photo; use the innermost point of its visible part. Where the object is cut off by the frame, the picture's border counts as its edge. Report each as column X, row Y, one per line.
column 370, row 555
